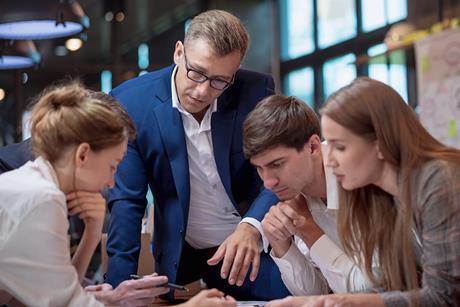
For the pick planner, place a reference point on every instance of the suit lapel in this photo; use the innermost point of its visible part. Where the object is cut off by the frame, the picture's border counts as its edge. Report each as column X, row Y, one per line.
column 222, row 124
column 173, row 136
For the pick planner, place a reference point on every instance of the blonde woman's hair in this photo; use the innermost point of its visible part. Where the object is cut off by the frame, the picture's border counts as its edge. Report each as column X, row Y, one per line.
column 69, row 114
column 223, row 31
column 369, row 223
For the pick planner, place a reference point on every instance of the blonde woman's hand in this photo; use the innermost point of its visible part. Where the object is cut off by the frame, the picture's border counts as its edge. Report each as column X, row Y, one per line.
column 210, row 298
column 90, row 207
column 139, row 292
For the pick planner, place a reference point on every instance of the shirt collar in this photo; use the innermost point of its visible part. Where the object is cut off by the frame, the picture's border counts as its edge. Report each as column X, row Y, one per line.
column 331, row 182
column 46, row 170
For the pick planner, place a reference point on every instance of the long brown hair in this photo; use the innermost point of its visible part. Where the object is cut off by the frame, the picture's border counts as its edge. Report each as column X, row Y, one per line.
column 369, row 223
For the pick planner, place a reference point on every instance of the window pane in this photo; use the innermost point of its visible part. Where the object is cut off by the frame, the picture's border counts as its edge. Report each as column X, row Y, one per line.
column 296, row 28
column 391, row 69
column 299, row 83
column 397, row 10
column 378, row 13
column 398, row 73
column 336, row 21
column 373, row 14
column 338, row 72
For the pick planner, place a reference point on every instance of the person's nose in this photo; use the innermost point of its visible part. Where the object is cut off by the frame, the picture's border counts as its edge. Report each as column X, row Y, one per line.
column 204, row 88
column 269, row 179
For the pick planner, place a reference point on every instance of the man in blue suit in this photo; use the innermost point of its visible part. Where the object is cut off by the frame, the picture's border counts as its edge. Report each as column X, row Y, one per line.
column 208, row 199
column 15, row 155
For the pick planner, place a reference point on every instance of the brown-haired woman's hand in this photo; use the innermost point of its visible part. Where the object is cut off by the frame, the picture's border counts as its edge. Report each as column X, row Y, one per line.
column 332, row 300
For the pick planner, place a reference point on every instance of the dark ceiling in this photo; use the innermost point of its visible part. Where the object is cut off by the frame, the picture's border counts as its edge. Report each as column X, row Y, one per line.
column 109, row 46
column 113, row 45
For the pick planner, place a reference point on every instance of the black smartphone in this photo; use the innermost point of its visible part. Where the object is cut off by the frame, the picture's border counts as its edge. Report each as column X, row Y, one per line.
column 168, row 285
column 175, row 287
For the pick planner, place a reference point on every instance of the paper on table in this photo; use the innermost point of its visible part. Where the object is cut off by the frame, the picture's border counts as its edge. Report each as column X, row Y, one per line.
column 251, row 303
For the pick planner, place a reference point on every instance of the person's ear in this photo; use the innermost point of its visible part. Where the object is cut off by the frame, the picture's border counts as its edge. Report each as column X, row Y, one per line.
column 81, row 154
column 314, row 145
column 178, row 52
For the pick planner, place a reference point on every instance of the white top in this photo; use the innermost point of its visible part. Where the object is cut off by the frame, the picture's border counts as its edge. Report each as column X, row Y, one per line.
column 212, row 216
column 305, row 271
column 35, row 264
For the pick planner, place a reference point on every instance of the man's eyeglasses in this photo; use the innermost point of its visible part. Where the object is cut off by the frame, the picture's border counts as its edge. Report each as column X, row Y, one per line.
column 199, row 77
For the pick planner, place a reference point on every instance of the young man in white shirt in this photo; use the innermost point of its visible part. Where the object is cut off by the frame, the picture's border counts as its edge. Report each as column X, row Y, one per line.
column 282, row 140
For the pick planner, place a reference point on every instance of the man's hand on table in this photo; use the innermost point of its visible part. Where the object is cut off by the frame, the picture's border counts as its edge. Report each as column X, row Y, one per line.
column 239, row 251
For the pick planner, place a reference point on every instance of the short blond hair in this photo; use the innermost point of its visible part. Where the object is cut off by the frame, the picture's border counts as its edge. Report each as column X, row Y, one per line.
column 223, row 31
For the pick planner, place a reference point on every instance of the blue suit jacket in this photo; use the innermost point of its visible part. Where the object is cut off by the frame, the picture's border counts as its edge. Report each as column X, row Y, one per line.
column 158, row 158
column 15, row 155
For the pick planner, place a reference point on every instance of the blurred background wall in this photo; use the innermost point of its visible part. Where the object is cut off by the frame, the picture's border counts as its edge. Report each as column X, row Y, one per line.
column 311, row 47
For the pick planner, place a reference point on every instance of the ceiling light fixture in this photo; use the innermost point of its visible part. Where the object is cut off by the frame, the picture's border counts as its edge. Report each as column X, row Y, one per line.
column 42, row 19
column 18, row 54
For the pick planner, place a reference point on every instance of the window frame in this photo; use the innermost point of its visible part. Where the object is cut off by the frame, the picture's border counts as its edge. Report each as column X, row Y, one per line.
column 357, row 45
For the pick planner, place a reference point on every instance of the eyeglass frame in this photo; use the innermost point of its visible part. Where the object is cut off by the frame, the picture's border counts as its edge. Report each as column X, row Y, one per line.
column 206, row 78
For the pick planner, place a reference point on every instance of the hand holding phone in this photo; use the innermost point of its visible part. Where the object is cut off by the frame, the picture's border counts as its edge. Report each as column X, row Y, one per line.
column 168, row 285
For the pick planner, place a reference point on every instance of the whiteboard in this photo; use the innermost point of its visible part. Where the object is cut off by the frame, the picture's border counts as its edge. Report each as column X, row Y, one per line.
column 438, row 85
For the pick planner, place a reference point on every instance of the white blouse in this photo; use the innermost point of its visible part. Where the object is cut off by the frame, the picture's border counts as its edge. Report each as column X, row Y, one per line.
column 35, row 262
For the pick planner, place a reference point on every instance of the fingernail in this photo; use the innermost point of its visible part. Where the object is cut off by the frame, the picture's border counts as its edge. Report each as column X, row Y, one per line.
column 231, row 281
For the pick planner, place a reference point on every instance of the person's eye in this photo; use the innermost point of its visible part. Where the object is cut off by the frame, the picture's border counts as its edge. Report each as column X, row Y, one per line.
column 196, row 74
column 277, row 164
column 340, row 147
column 221, row 80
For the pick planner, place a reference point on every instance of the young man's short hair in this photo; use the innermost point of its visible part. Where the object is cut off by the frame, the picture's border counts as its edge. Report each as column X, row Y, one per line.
column 279, row 120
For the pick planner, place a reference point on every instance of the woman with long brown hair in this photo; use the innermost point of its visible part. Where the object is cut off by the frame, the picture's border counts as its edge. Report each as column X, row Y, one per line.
column 399, row 196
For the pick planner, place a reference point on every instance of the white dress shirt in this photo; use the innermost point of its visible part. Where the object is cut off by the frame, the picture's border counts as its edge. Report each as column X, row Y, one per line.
column 35, row 264
column 212, row 216
column 305, row 271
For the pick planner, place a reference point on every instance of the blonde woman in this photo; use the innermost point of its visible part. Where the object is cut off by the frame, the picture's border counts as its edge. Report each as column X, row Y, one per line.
column 399, row 195
column 79, row 137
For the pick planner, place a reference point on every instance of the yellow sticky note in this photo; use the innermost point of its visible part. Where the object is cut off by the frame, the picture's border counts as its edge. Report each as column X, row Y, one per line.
column 452, row 128
column 424, row 64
